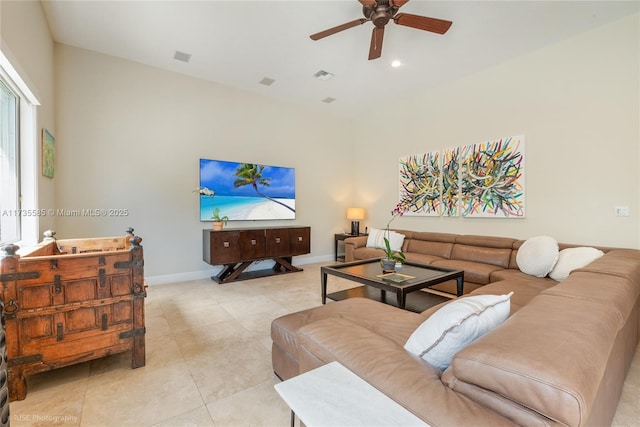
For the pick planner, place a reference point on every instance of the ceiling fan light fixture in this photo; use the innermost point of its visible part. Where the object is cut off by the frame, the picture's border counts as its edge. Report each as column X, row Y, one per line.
column 396, row 63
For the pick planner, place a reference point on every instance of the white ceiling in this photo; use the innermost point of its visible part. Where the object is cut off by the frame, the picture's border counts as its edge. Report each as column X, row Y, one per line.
column 237, row 43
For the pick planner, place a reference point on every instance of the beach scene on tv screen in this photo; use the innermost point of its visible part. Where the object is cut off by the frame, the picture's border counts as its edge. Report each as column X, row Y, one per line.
column 246, row 191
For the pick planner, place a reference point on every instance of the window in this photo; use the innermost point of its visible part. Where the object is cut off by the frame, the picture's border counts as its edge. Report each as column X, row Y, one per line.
column 18, row 159
column 9, row 166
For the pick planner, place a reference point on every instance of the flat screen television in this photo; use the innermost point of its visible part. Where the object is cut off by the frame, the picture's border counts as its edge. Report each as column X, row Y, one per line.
column 246, row 191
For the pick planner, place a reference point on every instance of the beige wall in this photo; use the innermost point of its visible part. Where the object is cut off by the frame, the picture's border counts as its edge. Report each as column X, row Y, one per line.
column 131, row 137
column 576, row 102
column 27, row 43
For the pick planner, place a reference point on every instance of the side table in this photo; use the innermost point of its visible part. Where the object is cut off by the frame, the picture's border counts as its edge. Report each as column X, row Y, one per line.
column 340, row 238
column 332, row 395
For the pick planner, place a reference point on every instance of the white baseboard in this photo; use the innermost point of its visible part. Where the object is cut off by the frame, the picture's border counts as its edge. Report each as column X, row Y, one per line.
column 206, row 274
column 180, row 277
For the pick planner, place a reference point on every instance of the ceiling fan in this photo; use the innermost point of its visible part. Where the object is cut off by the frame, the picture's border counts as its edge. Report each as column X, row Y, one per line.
column 380, row 12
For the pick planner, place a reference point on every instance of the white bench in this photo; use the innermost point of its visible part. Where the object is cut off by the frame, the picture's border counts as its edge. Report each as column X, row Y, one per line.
column 332, row 395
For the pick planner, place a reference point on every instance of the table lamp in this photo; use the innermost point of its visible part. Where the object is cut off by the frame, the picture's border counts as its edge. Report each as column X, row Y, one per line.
column 355, row 215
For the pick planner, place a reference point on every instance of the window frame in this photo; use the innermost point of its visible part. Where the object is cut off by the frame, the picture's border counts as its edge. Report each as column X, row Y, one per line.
column 28, row 152
column 10, row 224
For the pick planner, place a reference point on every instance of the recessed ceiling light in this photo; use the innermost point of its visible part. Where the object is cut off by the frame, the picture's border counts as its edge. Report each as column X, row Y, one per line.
column 323, row 75
column 267, row 81
column 181, row 56
column 396, row 63
column 328, row 100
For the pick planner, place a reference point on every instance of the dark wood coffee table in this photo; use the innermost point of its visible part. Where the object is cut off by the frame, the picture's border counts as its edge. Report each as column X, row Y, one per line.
column 368, row 273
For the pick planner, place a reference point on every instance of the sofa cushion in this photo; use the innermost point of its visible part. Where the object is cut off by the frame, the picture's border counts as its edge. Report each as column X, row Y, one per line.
column 405, row 378
column 523, row 290
column 366, row 253
column 510, row 273
column 617, row 293
column 485, row 241
column 455, row 326
column 538, row 255
column 421, row 258
column 380, row 318
column 438, row 244
column 376, row 239
column 475, row 272
column 486, row 255
column 618, row 262
column 450, row 287
column 572, row 258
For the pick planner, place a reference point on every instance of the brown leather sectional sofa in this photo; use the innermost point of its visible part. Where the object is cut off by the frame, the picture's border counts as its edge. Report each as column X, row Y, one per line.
column 559, row 359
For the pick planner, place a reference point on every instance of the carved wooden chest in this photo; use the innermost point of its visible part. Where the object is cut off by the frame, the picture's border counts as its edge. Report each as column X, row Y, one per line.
column 70, row 301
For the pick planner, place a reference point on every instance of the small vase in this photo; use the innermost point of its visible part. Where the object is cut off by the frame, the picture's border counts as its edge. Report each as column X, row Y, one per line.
column 388, row 265
column 217, row 225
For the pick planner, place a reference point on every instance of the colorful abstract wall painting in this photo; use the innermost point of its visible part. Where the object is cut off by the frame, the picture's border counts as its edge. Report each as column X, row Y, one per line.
column 479, row 180
column 420, row 184
column 493, row 179
column 450, row 181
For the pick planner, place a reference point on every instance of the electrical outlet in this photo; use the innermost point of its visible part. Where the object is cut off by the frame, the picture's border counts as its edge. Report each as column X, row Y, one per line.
column 622, row 210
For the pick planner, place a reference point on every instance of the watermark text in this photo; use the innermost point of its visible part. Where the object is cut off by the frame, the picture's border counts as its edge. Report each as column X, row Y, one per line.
column 44, row 418
column 84, row 212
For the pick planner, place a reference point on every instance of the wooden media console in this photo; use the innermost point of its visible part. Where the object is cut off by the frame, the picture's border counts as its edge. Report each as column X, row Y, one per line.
column 237, row 249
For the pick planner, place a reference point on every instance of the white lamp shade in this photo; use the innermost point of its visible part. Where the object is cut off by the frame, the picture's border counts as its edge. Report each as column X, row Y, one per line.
column 355, row 214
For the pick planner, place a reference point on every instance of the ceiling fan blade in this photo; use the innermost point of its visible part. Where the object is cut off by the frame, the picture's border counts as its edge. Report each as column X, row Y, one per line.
column 330, row 31
column 369, row 3
column 434, row 25
column 397, row 3
column 375, row 50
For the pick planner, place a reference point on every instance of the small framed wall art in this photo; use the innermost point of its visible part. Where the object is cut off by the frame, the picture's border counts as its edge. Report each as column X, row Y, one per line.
column 48, row 154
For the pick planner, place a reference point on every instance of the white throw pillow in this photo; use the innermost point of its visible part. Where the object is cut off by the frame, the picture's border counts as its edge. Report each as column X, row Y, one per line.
column 538, row 255
column 571, row 259
column 375, row 235
column 456, row 325
column 376, row 239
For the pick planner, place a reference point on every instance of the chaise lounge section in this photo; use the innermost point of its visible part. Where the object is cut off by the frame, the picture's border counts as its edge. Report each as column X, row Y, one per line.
column 560, row 358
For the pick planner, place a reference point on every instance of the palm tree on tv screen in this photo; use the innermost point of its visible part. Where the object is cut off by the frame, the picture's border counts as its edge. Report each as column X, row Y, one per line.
column 251, row 174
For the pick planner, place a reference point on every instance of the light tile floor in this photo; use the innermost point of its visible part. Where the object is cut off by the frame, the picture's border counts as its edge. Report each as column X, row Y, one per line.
column 208, row 363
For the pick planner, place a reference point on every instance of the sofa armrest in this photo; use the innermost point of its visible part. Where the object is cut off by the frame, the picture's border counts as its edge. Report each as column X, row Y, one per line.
column 351, row 244
column 387, row 366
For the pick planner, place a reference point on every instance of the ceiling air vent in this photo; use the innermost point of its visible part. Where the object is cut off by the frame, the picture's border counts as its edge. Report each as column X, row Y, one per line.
column 181, row 56
column 323, row 75
column 267, row 81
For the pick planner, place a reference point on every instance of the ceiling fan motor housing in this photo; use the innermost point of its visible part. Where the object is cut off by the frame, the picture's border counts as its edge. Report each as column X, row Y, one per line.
column 380, row 14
